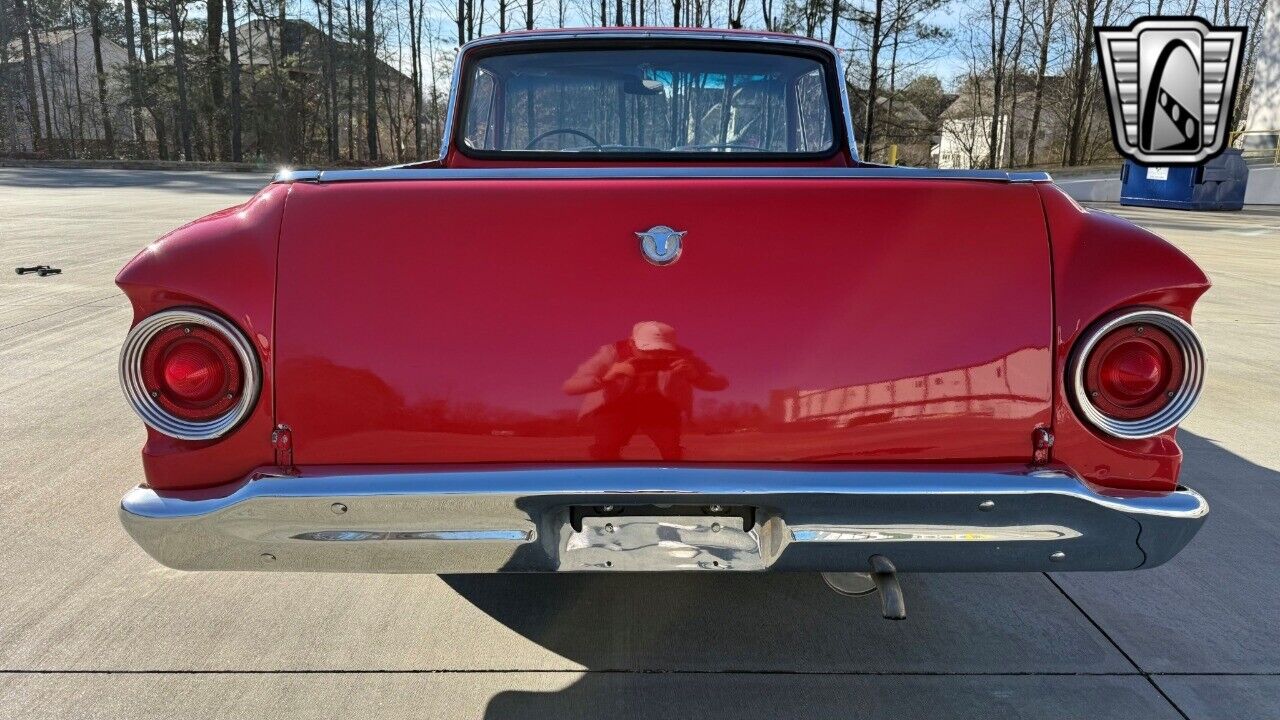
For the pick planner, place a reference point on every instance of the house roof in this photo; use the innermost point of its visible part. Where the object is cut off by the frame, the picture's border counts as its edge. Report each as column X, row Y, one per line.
column 47, row 38
column 906, row 113
column 301, row 39
column 963, row 107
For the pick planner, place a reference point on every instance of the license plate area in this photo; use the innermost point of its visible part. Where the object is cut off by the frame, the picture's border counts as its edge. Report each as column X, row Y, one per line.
column 660, row 538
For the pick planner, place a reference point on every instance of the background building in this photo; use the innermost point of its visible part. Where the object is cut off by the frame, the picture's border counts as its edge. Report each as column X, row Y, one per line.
column 66, row 80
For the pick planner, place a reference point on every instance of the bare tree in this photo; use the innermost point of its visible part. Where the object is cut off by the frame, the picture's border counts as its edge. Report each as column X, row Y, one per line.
column 35, row 25
column 275, row 34
column 874, row 19
column 135, row 89
column 415, row 50
column 999, row 26
column 77, row 86
column 95, row 31
column 1249, row 13
column 329, row 72
column 180, row 67
column 736, row 10
column 148, row 53
column 28, row 73
column 1082, row 72
column 351, row 91
column 8, row 122
column 370, row 78
column 233, row 69
column 1016, row 59
column 437, row 121
column 1044, row 31
column 215, row 112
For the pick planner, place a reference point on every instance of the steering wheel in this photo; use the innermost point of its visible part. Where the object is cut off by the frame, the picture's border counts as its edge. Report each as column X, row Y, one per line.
column 563, row 131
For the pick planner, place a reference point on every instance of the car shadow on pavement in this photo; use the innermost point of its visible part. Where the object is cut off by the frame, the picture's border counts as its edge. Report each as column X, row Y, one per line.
column 1217, row 600
column 772, row 645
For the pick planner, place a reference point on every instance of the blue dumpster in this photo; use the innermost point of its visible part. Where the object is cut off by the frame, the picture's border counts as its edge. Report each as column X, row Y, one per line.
column 1218, row 184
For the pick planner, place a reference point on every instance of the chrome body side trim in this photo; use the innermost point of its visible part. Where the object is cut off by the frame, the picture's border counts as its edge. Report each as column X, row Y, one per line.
column 931, row 533
column 661, row 173
column 843, row 83
column 464, row 519
column 290, row 176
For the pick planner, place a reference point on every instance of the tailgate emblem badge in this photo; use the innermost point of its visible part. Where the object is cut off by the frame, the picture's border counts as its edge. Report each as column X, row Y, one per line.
column 661, row 245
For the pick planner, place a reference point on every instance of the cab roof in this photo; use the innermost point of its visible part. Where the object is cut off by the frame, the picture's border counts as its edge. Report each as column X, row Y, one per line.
column 591, row 33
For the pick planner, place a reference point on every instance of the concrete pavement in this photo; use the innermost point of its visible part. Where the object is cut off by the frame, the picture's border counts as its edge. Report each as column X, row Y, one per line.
column 92, row 627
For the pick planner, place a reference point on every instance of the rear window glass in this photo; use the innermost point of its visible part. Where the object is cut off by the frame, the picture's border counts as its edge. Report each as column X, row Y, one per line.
column 647, row 101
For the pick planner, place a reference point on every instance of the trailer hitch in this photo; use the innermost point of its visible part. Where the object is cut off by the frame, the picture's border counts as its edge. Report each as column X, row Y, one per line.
column 885, row 575
column 883, row 579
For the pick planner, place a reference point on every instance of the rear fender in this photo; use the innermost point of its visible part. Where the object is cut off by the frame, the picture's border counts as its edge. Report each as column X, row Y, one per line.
column 1102, row 263
column 224, row 262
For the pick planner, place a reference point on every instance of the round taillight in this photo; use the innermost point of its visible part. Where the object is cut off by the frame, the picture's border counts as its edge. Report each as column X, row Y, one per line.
column 1138, row 374
column 189, row 373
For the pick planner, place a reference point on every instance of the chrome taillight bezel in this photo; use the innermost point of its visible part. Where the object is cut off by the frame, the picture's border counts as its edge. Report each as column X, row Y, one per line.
column 145, row 405
column 1184, row 397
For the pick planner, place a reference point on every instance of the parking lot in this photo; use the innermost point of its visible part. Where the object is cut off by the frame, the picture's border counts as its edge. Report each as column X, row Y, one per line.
column 92, row 627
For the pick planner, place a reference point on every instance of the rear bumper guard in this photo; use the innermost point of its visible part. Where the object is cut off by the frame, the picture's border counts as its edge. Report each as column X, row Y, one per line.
column 343, row 519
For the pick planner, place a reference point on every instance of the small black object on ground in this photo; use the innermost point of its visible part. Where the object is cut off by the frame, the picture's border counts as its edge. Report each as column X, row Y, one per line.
column 41, row 270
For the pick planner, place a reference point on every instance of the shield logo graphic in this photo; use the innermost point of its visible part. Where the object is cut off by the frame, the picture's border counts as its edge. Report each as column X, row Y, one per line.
column 1170, row 84
column 661, row 245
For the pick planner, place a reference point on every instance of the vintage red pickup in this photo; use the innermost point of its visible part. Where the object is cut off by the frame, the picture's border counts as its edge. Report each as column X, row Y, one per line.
column 649, row 311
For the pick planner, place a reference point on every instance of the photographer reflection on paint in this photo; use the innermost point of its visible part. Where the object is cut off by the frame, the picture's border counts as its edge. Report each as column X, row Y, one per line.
column 643, row 383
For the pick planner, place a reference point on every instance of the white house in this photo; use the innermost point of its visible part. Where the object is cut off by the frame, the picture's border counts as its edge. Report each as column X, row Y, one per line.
column 966, row 127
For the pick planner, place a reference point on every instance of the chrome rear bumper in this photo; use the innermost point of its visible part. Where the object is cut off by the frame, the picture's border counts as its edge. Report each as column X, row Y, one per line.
column 343, row 519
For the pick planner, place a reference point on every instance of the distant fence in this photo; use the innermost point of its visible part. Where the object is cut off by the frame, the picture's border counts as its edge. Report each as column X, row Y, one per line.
column 1258, row 145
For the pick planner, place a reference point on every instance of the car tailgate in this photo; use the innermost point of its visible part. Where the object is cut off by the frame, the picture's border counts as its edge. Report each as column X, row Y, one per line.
column 870, row 319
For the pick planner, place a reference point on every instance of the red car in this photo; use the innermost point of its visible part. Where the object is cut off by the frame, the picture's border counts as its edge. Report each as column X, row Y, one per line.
column 649, row 311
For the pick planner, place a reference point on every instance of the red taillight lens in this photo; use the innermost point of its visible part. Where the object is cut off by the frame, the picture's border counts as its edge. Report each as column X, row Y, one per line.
column 1131, row 370
column 192, row 372
column 1138, row 374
